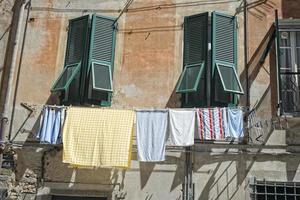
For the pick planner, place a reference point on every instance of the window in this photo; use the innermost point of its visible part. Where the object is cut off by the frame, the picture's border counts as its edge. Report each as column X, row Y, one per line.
column 88, row 72
column 288, row 51
column 190, row 78
column 66, row 77
column 209, row 74
column 229, row 78
column 267, row 190
column 102, row 77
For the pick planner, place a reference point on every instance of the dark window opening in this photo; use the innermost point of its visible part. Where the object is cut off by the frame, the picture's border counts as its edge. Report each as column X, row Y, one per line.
column 289, row 70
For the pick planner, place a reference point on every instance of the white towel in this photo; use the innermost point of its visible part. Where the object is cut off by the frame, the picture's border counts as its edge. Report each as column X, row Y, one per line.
column 151, row 128
column 235, row 122
column 182, row 127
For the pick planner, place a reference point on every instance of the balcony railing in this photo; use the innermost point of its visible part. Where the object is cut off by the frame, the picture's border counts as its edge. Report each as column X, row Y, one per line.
column 290, row 92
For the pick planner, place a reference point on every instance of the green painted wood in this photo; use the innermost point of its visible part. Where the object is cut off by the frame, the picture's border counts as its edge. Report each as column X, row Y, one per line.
column 74, row 59
column 102, row 42
column 190, row 78
column 77, row 40
column 195, row 39
column 66, row 77
column 102, row 50
column 224, row 51
column 195, row 53
column 224, row 39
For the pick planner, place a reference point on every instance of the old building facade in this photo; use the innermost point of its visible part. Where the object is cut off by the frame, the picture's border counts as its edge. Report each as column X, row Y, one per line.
column 150, row 42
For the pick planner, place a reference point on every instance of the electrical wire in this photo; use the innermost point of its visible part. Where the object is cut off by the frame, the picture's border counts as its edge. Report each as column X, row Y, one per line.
column 128, row 3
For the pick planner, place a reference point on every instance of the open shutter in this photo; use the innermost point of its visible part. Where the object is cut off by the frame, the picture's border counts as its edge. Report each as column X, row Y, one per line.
column 74, row 59
column 224, row 58
column 102, row 53
column 195, row 56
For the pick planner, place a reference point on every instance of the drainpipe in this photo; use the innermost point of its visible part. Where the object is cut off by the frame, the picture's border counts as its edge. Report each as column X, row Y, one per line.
column 246, row 53
column 247, row 132
column 28, row 7
column 10, row 62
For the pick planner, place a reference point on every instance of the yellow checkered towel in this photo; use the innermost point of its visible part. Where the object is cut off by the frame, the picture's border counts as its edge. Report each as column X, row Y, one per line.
column 98, row 137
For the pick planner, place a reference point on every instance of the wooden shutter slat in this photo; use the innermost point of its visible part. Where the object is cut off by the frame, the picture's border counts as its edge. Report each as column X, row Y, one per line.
column 195, row 39
column 76, row 44
column 102, row 39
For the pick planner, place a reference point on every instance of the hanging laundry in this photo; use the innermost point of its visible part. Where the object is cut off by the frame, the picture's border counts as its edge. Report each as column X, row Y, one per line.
column 98, row 137
column 235, row 123
column 51, row 125
column 182, row 126
column 151, row 128
column 212, row 123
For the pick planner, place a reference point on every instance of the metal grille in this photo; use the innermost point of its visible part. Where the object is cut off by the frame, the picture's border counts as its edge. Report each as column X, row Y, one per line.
column 290, row 92
column 195, row 39
column 225, row 38
column 267, row 190
column 76, row 40
column 289, row 73
column 102, row 39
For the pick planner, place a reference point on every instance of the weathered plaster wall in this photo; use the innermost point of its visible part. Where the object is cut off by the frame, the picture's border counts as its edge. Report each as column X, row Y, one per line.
column 153, row 52
column 147, row 66
column 263, row 88
column 5, row 20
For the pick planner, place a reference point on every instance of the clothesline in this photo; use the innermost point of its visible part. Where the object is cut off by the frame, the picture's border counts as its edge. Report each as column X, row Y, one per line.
column 106, row 134
column 132, row 107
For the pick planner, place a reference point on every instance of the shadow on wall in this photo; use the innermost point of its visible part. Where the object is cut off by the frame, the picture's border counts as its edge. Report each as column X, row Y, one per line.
column 224, row 174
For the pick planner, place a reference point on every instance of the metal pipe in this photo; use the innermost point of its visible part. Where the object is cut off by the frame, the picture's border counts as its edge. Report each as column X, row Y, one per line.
column 278, row 64
column 246, row 53
column 7, row 80
column 27, row 6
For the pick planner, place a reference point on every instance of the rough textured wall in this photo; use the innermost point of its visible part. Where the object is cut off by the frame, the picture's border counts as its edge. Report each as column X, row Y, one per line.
column 146, row 75
column 261, row 16
column 44, row 51
column 153, row 50
column 5, row 20
column 147, row 66
column 263, row 77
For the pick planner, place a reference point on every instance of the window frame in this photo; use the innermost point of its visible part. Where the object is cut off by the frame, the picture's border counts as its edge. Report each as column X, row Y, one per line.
column 67, row 84
column 291, row 26
column 196, row 84
column 93, row 76
column 218, row 64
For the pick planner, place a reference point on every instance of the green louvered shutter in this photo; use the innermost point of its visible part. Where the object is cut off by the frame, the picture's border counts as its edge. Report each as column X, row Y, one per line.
column 224, row 59
column 101, row 58
column 195, row 39
column 69, row 80
column 77, row 36
column 191, row 82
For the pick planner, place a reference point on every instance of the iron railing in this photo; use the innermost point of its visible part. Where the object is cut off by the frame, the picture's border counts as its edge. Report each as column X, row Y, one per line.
column 290, row 92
